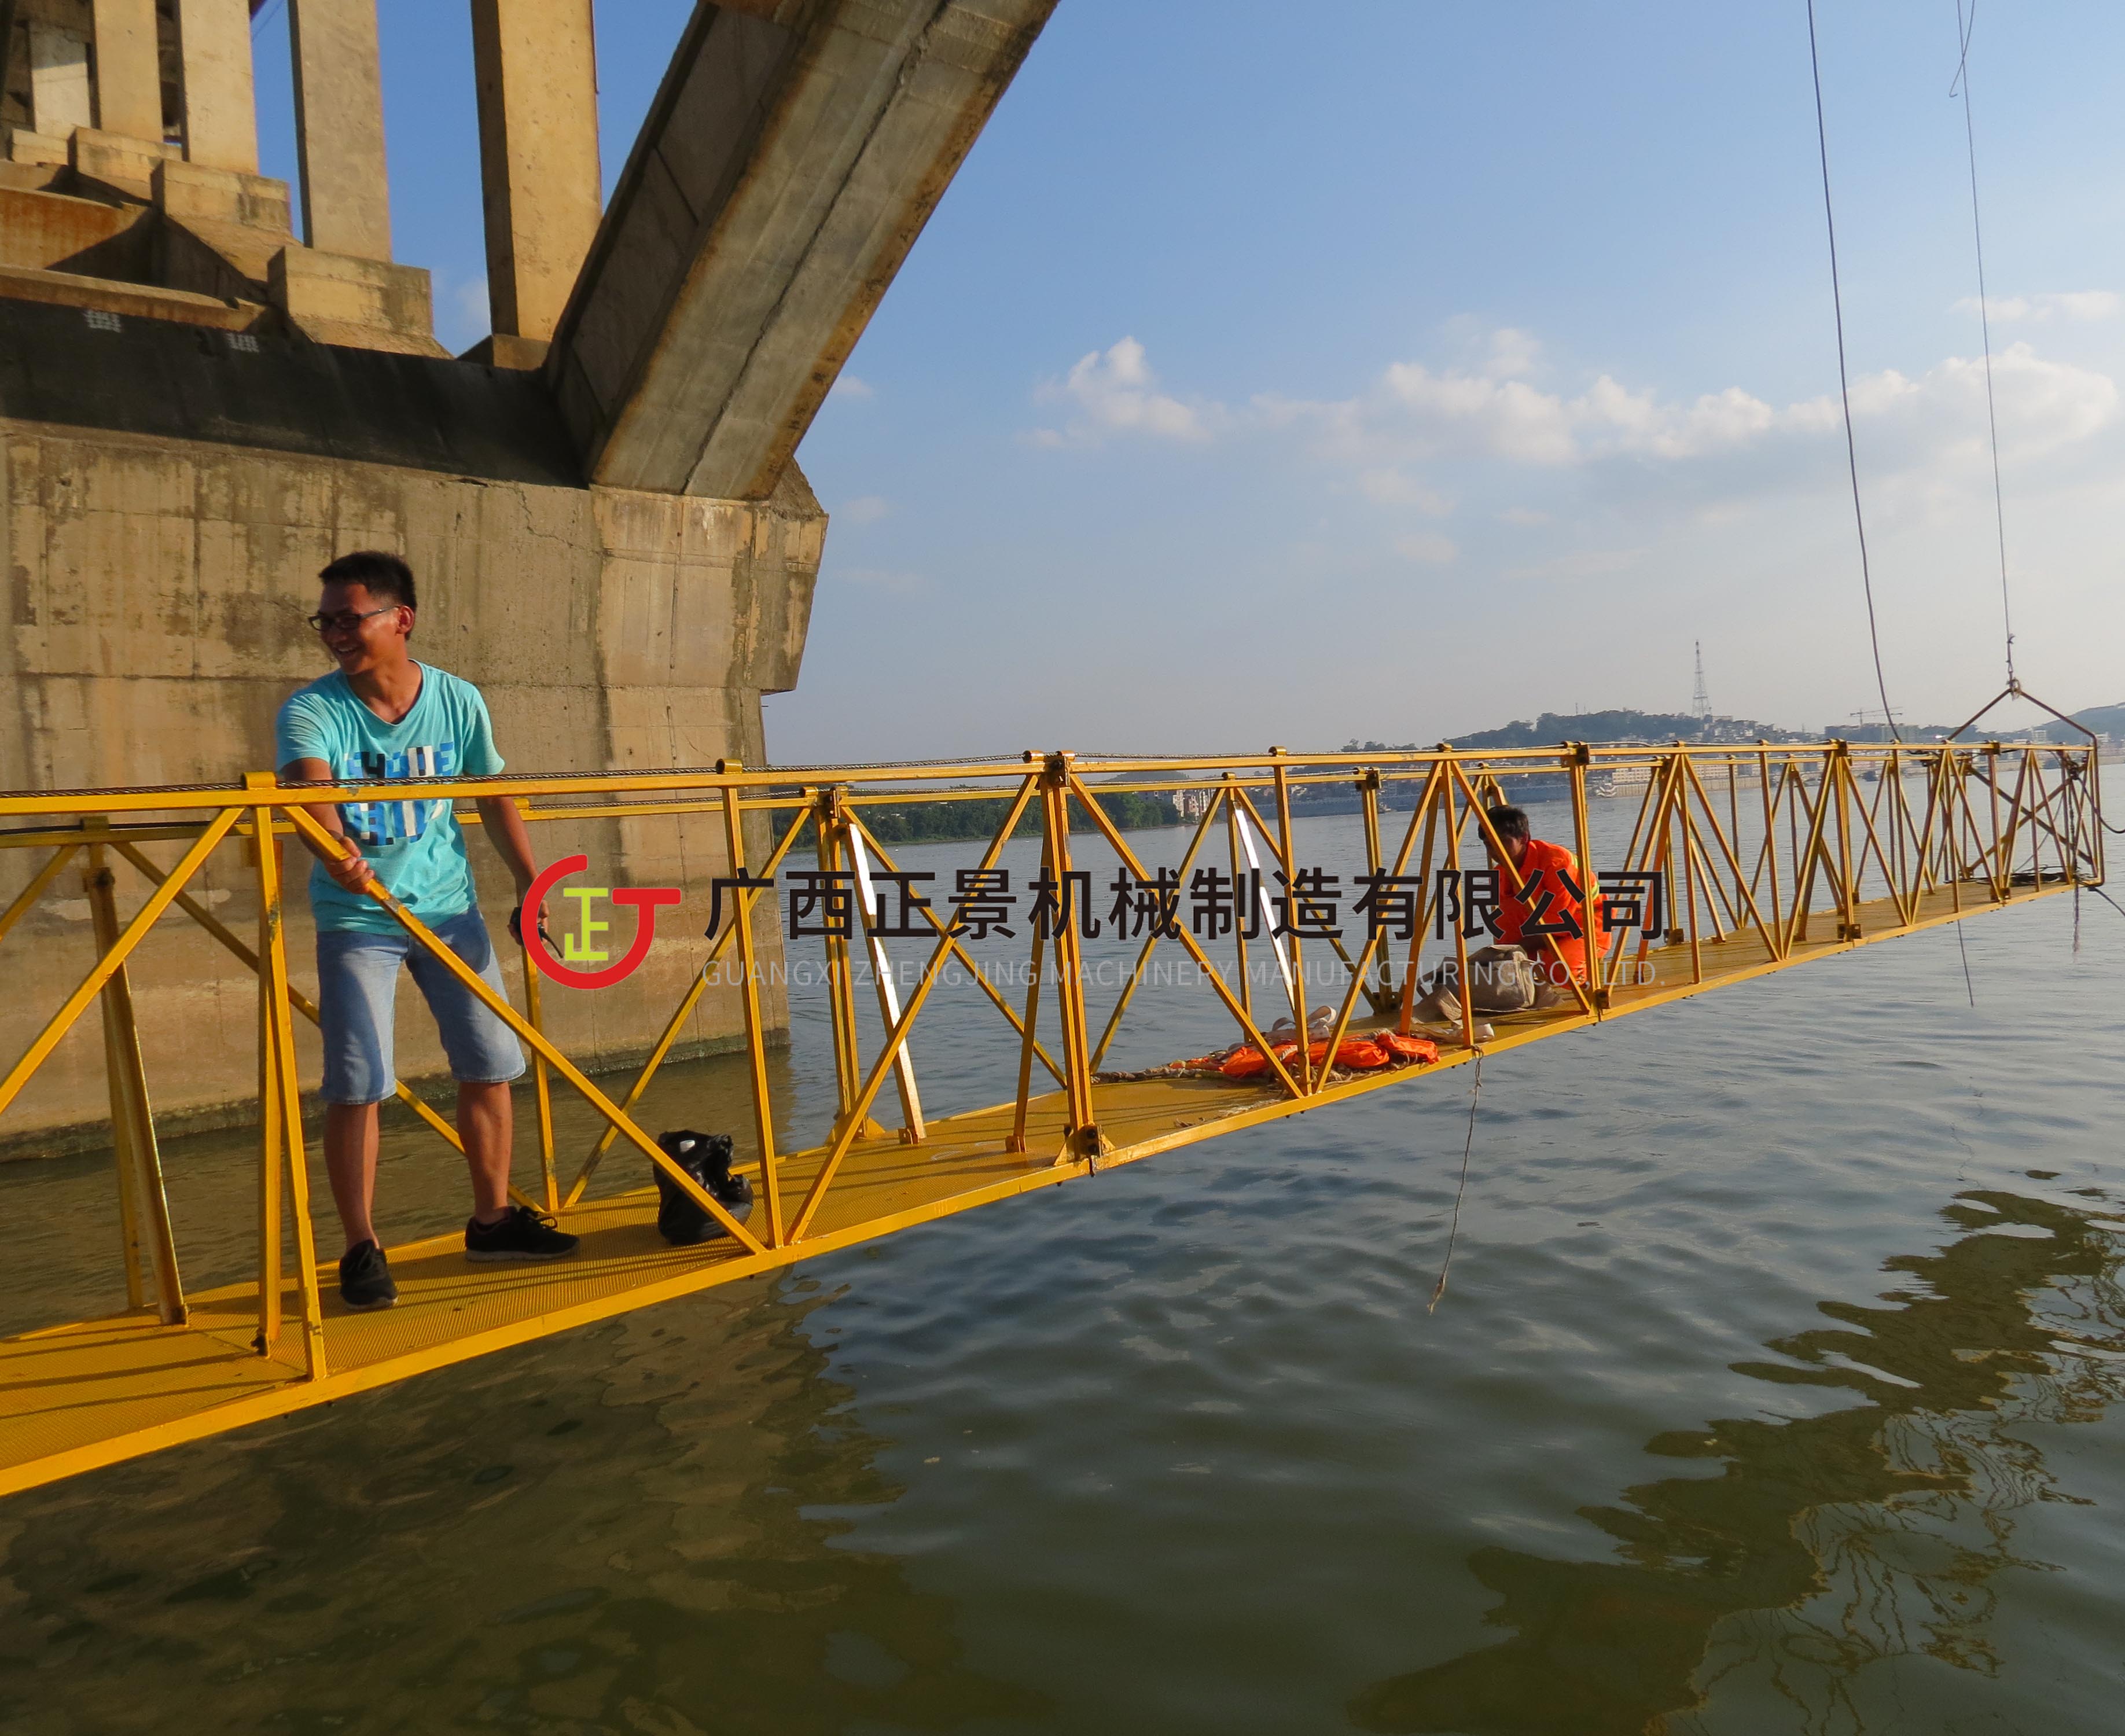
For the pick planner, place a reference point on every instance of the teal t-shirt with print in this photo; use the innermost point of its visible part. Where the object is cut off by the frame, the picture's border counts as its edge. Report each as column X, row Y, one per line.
column 416, row 848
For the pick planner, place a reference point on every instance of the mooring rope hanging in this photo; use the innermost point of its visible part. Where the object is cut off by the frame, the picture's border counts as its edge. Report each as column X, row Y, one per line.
column 1845, row 380
column 1969, row 987
column 1454, row 1234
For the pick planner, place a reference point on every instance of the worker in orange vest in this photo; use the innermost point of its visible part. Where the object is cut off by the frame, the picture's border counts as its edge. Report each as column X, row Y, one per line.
column 1550, row 906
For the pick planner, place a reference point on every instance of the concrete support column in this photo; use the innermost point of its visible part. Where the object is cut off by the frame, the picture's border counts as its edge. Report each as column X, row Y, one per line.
column 339, row 127
column 60, row 99
column 221, row 109
column 128, row 70
column 536, row 62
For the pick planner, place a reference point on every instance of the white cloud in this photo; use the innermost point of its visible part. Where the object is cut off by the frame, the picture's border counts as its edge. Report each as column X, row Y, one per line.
column 1427, row 550
column 1115, row 392
column 2082, row 304
column 1425, row 432
column 1583, row 563
column 849, row 387
column 1419, row 417
column 1391, row 488
column 1510, row 417
column 2043, row 405
column 866, row 509
column 1514, row 353
column 1513, row 420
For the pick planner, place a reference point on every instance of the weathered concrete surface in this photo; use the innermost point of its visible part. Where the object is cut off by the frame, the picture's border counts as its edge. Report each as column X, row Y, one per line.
column 116, row 163
column 792, row 154
column 339, row 127
column 160, row 381
column 20, row 285
column 50, row 232
column 142, row 213
column 337, row 299
column 128, row 69
column 156, row 590
column 220, row 106
column 536, row 66
column 60, row 96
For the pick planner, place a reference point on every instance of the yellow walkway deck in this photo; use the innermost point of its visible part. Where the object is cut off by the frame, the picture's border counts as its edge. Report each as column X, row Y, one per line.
column 79, row 1396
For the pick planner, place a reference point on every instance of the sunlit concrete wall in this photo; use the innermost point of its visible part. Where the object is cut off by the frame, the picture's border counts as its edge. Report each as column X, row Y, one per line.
column 156, row 592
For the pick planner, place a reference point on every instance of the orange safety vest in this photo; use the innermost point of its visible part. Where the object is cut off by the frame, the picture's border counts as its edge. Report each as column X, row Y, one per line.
column 1548, row 868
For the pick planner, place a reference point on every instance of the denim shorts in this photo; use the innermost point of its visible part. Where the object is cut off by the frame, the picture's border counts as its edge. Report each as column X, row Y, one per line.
column 357, row 988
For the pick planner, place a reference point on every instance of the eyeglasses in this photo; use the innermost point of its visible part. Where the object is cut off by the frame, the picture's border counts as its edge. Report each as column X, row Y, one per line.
column 347, row 620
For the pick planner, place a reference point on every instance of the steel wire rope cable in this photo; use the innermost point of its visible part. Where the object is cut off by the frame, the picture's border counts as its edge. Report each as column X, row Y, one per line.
column 1965, row 27
column 1845, row 380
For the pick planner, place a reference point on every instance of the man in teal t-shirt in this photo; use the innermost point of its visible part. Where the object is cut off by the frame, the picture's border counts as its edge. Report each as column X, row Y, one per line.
column 381, row 718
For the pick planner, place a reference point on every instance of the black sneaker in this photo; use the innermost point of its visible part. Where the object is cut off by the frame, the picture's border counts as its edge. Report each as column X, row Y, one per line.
column 365, row 1278
column 524, row 1234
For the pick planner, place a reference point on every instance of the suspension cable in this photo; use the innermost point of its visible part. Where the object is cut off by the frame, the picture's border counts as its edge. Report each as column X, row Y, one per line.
column 1965, row 28
column 1845, row 381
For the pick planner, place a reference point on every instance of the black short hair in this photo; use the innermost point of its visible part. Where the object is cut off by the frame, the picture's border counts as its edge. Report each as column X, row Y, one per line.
column 1508, row 822
column 387, row 577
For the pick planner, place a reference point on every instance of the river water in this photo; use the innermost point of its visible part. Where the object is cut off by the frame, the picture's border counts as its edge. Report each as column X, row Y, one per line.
column 1775, row 1388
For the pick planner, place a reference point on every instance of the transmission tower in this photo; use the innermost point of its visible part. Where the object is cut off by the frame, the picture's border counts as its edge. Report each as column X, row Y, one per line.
column 1700, row 701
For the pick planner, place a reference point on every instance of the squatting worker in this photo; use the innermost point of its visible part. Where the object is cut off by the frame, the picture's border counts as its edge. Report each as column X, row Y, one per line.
column 381, row 715
column 1545, row 869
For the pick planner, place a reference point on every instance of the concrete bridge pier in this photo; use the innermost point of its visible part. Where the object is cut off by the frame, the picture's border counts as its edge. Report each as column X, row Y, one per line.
column 198, row 410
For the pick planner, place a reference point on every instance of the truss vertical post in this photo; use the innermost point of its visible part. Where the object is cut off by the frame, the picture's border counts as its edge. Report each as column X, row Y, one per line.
column 1680, row 822
column 1300, row 1019
column 1461, row 985
column 270, row 1184
column 1577, row 757
column 1948, row 776
column 829, row 824
column 756, row 1035
column 1369, row 796
column 913, row 1129
column 1793, row 783
column 1017, row 1142
column 1848, row 927
column 1427, row 803
column 273, row 1000
column 1239, row 926
column 1995, row 870
column 132, row 1117
column 1082, row 1136
column 1770, row 843
column 541, row 1084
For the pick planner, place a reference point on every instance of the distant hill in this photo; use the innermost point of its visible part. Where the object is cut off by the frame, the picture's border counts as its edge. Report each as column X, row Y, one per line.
column 1876, row 732
column 2105, row 720
column 1598, row 726
column 1552, row 727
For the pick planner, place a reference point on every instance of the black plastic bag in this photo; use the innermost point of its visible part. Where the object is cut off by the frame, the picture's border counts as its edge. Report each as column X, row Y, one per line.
column 707, row 1157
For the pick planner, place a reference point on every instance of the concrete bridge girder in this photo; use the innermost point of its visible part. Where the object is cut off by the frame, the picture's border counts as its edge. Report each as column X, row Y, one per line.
column 792, row 156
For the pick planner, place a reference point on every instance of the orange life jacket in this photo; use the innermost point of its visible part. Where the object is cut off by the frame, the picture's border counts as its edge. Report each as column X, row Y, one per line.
column 1548, row 868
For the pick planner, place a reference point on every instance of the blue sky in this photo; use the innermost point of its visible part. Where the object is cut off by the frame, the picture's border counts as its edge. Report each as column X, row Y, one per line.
column 1391, row 368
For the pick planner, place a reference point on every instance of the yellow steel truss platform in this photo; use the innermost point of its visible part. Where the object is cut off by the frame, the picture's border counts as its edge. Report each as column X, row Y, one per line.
column 177, row 1368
